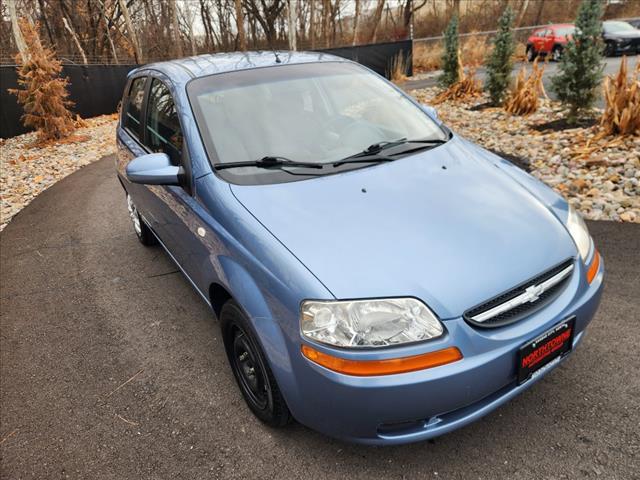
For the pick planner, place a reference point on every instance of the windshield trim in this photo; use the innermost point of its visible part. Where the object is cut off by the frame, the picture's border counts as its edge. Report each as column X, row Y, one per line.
column 228, row 177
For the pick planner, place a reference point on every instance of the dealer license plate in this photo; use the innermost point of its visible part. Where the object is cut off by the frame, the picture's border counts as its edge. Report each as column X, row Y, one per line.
column 549, row 347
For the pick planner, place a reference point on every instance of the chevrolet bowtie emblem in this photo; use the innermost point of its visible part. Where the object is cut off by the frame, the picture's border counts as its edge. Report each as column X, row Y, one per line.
column 532, row 293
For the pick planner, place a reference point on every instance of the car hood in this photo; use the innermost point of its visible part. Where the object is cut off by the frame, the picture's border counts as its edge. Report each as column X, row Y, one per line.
column 446, row 225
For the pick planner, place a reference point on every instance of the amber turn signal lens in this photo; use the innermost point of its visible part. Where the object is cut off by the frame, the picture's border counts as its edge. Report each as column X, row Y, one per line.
column 368, row 368
column 593, row 268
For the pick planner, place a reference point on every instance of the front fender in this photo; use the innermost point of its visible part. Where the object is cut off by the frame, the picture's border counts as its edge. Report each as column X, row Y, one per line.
column 266, row 326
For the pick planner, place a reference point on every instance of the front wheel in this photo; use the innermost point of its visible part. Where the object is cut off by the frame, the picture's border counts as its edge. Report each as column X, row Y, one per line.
column 531, row 53
column 251, row 369
column 556, row 54
column 609, row 49
column 143, row 232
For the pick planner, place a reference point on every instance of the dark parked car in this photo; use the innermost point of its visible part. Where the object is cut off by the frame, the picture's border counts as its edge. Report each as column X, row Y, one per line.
column 620, row 38
column 549, row 40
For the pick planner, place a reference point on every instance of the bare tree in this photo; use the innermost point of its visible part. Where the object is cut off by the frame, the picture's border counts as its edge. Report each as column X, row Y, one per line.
column 539, row 14
column 242, row 40
column 312, row 24
column 114, row 53
column 377, row 16
column 292, row 6
column 356, row 22
column 408, row 9
column 75, row 39
column 15, row 28
column 189, row 19
column 175, row 28
column 523, row 11
column 130, row 30
column 266, row 12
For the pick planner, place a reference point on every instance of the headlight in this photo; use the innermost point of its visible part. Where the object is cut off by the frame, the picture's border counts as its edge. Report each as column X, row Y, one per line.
column 579, row 232
column 369, row 323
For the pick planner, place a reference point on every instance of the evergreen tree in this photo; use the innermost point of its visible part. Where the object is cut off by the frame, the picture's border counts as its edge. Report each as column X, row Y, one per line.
column 43, row 93
column 450, row 74
column 500, row 63
column 580, row 69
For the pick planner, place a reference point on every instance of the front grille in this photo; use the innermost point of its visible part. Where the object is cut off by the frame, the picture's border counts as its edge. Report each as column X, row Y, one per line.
column 498, row 311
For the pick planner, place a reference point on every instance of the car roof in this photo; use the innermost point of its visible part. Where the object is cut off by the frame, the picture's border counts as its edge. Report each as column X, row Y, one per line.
column 184, row 69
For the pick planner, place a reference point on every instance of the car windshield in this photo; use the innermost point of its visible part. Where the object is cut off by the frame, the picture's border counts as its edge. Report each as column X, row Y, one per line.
column 564, row 31
column 312, row 113
column 614, row 27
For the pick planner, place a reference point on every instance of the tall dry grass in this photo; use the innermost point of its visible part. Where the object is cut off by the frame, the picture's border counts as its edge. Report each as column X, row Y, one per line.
column 621, row 115
column 427, row 56
column 524, row 98
column 398, row 68
column 475, row 49
column 467, row 87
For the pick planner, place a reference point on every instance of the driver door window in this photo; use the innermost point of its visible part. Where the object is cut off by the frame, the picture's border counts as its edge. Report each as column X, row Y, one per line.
column 163, row 127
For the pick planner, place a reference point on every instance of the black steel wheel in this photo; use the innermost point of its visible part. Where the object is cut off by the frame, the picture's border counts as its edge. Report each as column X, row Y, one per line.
column 251, row 369
column 250, row 372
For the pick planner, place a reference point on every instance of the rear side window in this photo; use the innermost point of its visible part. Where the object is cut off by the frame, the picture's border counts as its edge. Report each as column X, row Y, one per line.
column 133, row 114
column 163, row 127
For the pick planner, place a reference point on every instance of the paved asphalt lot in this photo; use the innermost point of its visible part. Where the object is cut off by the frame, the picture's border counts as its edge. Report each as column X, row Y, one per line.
column 611, row 67
column 85, row 309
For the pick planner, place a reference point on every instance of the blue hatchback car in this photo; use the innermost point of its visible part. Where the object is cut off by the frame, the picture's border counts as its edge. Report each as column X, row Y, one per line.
column 376, row 276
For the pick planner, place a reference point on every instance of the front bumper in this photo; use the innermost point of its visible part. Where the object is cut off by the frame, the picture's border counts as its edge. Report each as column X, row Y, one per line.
column 415, row 406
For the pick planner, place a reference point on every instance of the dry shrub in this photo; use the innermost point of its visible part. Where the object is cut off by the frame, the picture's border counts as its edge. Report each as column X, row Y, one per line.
column 520, row 52
column 621, row 114
column 43, row 93
column 398, row 70
column 427, row 56
column 468, row 86
column 524, row 98
column 474, row 50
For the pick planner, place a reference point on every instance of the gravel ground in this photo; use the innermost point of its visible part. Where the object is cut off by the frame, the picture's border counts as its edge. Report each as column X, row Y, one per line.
column 602, row 183
column 113, row 368
column 27, row 171
column 602, row 180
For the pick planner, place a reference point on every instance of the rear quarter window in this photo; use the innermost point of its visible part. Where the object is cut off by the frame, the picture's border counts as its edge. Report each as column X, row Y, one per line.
column 132, row 117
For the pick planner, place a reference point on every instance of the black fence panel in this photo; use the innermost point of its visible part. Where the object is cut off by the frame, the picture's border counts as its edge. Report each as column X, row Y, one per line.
column 97, row 89
column 94, row 89
column 378, row 57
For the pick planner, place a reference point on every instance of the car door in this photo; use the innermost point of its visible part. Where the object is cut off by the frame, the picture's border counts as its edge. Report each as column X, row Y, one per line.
column 130, row 142
column 537, row 39
column 549, row 40
column 164, row 134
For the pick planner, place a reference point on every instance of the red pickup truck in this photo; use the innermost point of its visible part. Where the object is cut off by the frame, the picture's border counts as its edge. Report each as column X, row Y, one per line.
column 549, row 40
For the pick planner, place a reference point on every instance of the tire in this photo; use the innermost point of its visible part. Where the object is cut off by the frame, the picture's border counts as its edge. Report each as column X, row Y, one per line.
column 609, row 50
column 143, row 232
column 531, row 53
column 556, row 53
column 251, row 368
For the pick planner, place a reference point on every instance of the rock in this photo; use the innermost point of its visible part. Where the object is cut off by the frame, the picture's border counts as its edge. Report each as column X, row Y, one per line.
column 579, row 183
column 628, row 216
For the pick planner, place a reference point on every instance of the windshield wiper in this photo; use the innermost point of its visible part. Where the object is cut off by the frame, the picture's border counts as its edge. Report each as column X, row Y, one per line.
column 371, row 153
column 268, row 162
column 359, row 158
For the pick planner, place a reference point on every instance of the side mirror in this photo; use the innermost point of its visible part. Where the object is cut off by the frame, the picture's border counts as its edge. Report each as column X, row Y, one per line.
column 153, row 169
column 432, row 112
